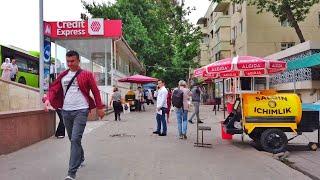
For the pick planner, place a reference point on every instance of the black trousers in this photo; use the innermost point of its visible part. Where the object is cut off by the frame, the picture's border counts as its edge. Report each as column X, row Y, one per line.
column 137, row 105
column 61, row 128
column 52, row 77
column 117, row 107
column 14, row 78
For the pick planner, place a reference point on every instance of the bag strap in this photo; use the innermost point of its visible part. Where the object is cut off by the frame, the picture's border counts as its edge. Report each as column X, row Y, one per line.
column 71, row 81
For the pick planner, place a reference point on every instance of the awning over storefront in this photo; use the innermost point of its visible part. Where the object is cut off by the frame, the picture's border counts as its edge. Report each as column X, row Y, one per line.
column 313, row 60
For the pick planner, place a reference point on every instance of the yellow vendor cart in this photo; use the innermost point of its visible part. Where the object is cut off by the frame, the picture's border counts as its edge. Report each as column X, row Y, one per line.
column 266, row 116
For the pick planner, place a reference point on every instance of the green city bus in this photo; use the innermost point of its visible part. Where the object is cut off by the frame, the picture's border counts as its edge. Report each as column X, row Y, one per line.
column 28, row 65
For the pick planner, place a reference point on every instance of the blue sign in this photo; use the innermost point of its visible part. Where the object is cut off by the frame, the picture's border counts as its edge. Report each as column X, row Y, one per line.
column 47, row 53
column 46, row 64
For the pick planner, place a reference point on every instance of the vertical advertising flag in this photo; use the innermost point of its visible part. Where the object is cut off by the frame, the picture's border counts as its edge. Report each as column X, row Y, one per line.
column 46, row 60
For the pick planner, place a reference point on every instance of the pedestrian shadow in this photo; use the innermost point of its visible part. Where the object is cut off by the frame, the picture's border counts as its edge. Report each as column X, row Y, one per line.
column 298, row 147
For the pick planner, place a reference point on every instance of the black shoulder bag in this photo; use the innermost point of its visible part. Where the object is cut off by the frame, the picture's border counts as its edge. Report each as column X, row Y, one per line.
column 71, row 81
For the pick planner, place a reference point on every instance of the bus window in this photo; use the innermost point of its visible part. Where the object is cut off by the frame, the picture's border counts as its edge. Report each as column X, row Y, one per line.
column 33, row 67
column 22, row 65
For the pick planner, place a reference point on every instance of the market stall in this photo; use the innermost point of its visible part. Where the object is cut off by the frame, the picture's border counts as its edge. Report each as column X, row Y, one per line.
column 263, row 114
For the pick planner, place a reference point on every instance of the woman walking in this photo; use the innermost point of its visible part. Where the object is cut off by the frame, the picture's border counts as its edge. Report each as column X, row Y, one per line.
column 116, row 103
column 6, row 70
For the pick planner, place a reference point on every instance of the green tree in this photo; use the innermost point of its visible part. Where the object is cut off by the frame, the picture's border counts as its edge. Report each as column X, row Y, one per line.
column 294, row 11
column 157, row 31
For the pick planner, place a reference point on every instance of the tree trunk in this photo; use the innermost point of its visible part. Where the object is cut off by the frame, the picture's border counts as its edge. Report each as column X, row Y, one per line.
column 293, row 22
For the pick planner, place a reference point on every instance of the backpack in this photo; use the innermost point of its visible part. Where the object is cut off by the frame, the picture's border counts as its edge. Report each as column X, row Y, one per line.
column 177, row 98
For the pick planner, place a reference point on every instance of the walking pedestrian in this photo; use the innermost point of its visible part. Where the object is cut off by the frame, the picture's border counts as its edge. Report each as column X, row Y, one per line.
column 52, row 72
column 161, row 109
column 116, row 103
column 196, row 94
column 168, row 104
column 180, row 100
column 14, row 70
column 71, row 92
column 142, row 99
column 6, row 69
column 150, row 97
column 139, row 98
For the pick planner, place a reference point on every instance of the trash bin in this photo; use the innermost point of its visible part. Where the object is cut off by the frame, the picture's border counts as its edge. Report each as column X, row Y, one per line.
column 224, row 134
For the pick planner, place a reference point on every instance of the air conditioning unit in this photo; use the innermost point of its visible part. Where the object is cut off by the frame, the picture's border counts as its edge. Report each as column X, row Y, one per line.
column 239, row 8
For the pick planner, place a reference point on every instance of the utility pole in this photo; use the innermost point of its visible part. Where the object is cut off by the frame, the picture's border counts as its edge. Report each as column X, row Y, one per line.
column 41, row 62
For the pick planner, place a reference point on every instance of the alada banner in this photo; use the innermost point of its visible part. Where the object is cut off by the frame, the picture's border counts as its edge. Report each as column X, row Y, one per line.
column 83, row 29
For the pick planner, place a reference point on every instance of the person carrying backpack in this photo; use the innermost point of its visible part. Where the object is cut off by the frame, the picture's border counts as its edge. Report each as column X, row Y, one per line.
column 180, row 99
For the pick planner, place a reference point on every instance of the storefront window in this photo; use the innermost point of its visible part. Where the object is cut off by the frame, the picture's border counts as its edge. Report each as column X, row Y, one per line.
column 95, row 56
column 246, row 83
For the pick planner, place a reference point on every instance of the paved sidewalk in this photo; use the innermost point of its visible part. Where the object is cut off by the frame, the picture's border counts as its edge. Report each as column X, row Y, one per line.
column 142, row 155
column 302, row 158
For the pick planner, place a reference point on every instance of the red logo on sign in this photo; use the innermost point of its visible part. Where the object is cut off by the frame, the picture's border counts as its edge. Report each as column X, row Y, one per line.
column 95, row 26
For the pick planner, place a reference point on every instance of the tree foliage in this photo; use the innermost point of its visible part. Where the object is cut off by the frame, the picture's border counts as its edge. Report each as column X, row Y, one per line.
column 294, row 11
column 158, row 32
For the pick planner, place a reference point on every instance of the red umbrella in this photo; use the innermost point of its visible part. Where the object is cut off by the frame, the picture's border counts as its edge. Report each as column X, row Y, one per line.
column 198, row 72
column 244, row 66
column 140, row 79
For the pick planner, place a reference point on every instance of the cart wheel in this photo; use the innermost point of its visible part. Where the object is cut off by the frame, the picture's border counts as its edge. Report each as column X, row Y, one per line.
column 255, row 135
column 313, row 146
column 273, row 140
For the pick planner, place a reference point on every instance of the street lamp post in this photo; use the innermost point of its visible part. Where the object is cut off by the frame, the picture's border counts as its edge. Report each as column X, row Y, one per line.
column 41, row 63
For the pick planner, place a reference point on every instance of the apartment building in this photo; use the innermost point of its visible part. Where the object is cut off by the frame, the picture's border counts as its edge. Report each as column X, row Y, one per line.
column 236, row 29
column 262, row 34
column 215, row 44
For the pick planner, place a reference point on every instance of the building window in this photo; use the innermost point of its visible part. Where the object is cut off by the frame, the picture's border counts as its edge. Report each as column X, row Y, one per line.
column 233, row 8
column 285, row 23
column 217, row 35
column 286, row 45
column 205, row 39
column 205, row 23
column 234, row 33
column 319, row 18
column 211, row 33
column 218, row 56
column 241, row 26
column 234, row 54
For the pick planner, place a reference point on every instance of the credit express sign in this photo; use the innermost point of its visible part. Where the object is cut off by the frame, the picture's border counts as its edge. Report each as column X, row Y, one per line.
column 83, row 29
column 71, row 28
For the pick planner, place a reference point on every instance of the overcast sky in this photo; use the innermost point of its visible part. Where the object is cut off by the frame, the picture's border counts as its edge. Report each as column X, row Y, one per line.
column 19, row 18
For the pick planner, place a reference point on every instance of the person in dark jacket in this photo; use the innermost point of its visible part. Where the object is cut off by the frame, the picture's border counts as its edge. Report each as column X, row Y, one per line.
column 196, row 94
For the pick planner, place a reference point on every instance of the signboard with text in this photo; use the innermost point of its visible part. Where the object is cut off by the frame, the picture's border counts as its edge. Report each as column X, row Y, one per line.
column 97, row 27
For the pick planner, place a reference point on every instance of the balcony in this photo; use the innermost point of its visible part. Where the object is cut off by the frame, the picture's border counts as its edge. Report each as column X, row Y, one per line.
column 222, row 7
column 222, row 46
column 222, row 21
